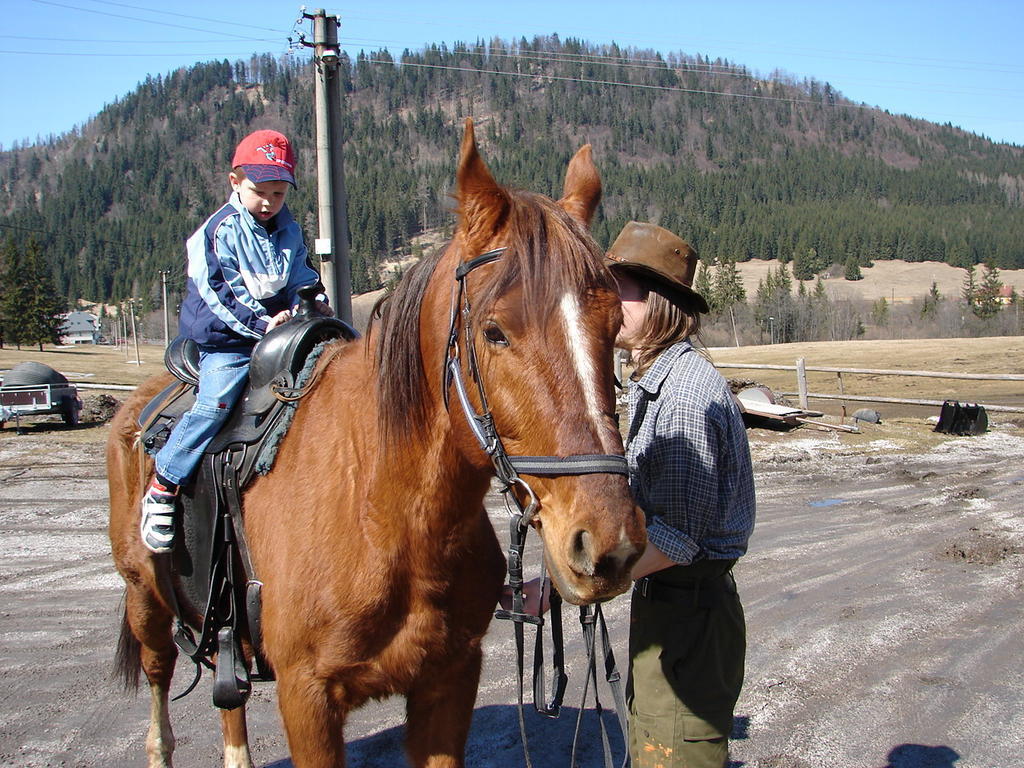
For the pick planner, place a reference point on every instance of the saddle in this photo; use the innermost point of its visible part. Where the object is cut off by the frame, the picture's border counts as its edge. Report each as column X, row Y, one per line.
column 211, row 557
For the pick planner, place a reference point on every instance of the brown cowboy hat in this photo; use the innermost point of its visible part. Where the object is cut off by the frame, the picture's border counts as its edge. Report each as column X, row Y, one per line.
column 656, row 253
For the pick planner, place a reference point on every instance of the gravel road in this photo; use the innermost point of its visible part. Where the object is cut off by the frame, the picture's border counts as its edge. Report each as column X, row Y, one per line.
column 883, row 593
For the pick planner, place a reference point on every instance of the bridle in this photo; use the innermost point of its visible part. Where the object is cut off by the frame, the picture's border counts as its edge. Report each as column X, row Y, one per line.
column 509, row 471
column 508, row 468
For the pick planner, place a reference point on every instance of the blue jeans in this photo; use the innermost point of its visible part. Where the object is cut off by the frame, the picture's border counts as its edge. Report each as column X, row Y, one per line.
column 222, row 376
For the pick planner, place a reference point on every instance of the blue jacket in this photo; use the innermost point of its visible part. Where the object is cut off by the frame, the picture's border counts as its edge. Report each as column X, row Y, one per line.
column 239, row 276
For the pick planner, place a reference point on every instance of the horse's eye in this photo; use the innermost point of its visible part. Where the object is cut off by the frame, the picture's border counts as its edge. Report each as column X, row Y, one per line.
column 494, row 334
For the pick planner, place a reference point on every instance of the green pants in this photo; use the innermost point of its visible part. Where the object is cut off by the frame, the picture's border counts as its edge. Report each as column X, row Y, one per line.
column 687, row 643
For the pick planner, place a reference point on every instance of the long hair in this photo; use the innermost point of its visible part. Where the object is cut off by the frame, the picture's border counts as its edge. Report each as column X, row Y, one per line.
column 670, row 317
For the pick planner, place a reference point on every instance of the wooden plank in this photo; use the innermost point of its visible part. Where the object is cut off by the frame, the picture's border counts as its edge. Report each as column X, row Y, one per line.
column 904, row 400
column 878, row 372
column 827, row 425
column 769, row 409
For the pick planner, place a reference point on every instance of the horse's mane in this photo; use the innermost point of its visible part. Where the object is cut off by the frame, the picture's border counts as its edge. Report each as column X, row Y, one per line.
column 547, row 253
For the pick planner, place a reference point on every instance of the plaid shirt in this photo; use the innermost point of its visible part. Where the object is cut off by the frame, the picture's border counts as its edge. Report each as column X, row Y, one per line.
column 689, row 461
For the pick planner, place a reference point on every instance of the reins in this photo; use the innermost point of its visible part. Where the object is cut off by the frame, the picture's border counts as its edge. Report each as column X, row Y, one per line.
column 508, row 470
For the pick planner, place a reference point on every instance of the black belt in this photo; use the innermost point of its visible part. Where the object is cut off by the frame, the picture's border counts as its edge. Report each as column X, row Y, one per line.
column 701, row 592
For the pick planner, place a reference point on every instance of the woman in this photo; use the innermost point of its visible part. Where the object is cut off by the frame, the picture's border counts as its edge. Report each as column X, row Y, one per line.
column 690, row 472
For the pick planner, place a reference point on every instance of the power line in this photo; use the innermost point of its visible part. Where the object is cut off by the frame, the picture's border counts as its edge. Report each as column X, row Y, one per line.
column 654, row 65
column 147, row 54
column 592, row 81
column 49, row 233
column 106, row 41
column 625, row 60
column 224, row 35
column 845, row 103
column 177, row 15
column 659, row 65
column 709, row 68
column 676, row 42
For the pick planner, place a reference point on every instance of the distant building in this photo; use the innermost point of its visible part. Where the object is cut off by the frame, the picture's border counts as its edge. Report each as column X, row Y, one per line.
column 1006, row 294
column 79, row 328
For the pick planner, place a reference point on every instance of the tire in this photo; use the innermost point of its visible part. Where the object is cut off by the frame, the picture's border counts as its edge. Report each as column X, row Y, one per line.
column 70, row 417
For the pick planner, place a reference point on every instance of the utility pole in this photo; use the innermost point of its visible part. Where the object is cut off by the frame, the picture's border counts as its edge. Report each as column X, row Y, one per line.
column 332, row 244
column 124, row 330
column 135, row 335
column 163, row 290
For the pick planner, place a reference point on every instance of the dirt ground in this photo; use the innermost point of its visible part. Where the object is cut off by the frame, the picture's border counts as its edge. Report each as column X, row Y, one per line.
column 882, row 588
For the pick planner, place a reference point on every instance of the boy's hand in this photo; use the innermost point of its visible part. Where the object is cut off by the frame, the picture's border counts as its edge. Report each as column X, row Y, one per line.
column 324, row 309
column 281, row 317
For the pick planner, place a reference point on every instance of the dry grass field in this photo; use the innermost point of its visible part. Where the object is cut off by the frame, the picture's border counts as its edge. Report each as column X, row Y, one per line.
column 999, row 354
column 895, row 281
column 90, row 364
column 1003, row 354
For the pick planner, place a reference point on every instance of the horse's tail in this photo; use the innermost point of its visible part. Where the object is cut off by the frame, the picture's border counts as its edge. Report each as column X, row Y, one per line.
column 128, row 659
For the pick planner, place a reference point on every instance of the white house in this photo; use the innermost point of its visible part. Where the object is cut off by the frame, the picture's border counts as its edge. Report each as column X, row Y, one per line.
column 79, row 328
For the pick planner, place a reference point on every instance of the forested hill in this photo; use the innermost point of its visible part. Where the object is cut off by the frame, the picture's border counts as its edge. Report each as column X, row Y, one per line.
column 744, row 167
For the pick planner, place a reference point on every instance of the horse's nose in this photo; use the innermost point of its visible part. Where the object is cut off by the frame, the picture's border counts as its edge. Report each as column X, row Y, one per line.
column 581, row 552
column 586, row 561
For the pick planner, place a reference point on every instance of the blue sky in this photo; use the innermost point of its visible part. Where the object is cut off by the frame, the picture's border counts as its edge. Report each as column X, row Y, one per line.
column 956, row 62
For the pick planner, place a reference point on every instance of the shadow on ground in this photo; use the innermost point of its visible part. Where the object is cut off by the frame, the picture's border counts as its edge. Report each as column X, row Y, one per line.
column 494, row 741
column 921, row 756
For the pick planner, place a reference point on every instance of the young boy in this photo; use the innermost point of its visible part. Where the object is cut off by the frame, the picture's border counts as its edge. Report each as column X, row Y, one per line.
column 245, row 267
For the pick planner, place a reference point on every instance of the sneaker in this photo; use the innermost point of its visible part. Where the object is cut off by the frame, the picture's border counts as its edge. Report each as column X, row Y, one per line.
column 158, row 518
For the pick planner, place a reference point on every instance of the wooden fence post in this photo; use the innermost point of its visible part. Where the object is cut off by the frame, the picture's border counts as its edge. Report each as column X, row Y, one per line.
column 801, row 381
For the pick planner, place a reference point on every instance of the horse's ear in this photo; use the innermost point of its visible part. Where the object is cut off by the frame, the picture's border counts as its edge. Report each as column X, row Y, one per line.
column 482, row 203
column 582, row 190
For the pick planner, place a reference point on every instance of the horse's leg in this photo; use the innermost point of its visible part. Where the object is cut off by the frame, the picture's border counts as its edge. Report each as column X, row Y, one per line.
column 439, row 709
column 439, row 704
column 236, row 738
column 313, row 720
column 151, row 624
column 159, row 738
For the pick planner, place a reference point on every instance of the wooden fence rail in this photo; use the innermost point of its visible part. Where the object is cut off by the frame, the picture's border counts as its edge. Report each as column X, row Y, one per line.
column 801, row 369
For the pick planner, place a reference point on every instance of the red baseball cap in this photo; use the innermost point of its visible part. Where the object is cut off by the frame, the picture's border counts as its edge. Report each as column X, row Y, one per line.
column 266, row 156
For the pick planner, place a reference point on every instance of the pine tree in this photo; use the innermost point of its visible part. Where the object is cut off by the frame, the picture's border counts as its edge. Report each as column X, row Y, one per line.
column 969, row 288
column 986, row 297
column 15, row 298
column 820, row 294
column 880, row 312
column 930, row 305
column 8, row 253
column 775, row 310
column 42, row 309
column 728, row 287
column 729, row 291
column 852, row 269
column 702, row 285
column 803, row 263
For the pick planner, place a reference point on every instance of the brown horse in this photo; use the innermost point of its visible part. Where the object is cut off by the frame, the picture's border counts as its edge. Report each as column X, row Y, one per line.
column 380, row 566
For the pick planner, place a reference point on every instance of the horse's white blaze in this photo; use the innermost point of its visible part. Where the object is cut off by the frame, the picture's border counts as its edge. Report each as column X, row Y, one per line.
column 583, row 360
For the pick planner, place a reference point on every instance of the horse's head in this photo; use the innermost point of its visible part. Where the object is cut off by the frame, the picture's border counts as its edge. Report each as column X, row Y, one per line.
column 542, row 318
